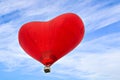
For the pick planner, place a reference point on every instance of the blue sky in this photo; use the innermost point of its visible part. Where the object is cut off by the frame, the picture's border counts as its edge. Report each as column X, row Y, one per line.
column 96, row 58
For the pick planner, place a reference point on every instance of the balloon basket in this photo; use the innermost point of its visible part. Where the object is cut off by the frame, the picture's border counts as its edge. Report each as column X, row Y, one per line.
column 47, row 69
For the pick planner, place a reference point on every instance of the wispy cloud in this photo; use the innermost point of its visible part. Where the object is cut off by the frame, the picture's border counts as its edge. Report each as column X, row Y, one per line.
column 90, row 66
column 104, row 17
column 7, row 6
column 97, row 15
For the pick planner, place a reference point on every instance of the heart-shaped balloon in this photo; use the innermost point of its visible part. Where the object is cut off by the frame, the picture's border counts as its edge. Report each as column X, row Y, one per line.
column 49, row 41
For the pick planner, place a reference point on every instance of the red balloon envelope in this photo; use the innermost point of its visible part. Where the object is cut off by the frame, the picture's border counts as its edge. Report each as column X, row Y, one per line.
column 49, row 41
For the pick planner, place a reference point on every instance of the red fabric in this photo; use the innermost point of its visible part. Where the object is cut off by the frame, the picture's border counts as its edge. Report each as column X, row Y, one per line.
column 49, row 41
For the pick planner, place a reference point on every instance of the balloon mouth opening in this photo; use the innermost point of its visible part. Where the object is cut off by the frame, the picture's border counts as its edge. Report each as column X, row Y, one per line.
column 48, row 63
column 47, row 69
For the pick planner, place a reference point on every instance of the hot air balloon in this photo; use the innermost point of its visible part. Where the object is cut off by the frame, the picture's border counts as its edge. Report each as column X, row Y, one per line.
column 49, row 41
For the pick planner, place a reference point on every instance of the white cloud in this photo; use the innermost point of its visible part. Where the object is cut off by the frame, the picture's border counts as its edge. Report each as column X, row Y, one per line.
column 93, row 66
column 7, row 6
column 101, row 44
column 97, row 16
column 90, row 66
